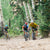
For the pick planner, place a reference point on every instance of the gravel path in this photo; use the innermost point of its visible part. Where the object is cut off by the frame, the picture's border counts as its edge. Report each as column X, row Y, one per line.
column 21, row 44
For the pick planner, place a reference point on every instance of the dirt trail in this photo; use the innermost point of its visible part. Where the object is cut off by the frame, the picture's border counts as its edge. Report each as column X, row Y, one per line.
column 20, row 44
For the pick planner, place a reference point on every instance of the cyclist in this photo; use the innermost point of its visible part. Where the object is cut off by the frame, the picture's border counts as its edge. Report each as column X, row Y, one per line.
column 34, row 28
column 6, row 31
column 25, row 29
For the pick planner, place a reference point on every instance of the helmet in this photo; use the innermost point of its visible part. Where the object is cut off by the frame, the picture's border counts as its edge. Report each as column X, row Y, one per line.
column 26, row 23
column 22, row 26
column 6, row 25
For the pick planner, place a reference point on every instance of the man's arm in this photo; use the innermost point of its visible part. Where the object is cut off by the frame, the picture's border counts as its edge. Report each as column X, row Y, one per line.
column 22, row 28
column 37, row 25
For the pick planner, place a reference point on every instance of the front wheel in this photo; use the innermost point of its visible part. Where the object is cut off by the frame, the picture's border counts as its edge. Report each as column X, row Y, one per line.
column 33, row 36
column 25, row 36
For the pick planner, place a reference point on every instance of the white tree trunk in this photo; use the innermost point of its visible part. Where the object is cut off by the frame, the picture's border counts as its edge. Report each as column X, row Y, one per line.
column 33, row 4
column 26, row 11
column 1, row 14
column 30, row 12
column 1, row 17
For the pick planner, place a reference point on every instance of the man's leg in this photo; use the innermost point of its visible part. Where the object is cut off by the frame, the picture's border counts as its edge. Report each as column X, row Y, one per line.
column 25, row 32
column 36, row 32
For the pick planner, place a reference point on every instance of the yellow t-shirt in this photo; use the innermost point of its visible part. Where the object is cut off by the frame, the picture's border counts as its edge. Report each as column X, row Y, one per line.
column 33, row 25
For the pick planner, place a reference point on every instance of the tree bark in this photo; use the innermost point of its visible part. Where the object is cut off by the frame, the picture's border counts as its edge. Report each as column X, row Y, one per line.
column 27, row 16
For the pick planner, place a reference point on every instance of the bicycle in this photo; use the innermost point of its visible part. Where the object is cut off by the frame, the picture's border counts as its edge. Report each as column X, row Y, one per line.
column 6, row 35
column 27, row 36
column 33, row 34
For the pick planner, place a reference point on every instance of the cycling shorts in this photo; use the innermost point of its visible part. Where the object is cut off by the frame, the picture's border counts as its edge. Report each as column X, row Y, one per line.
column 34, row 28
